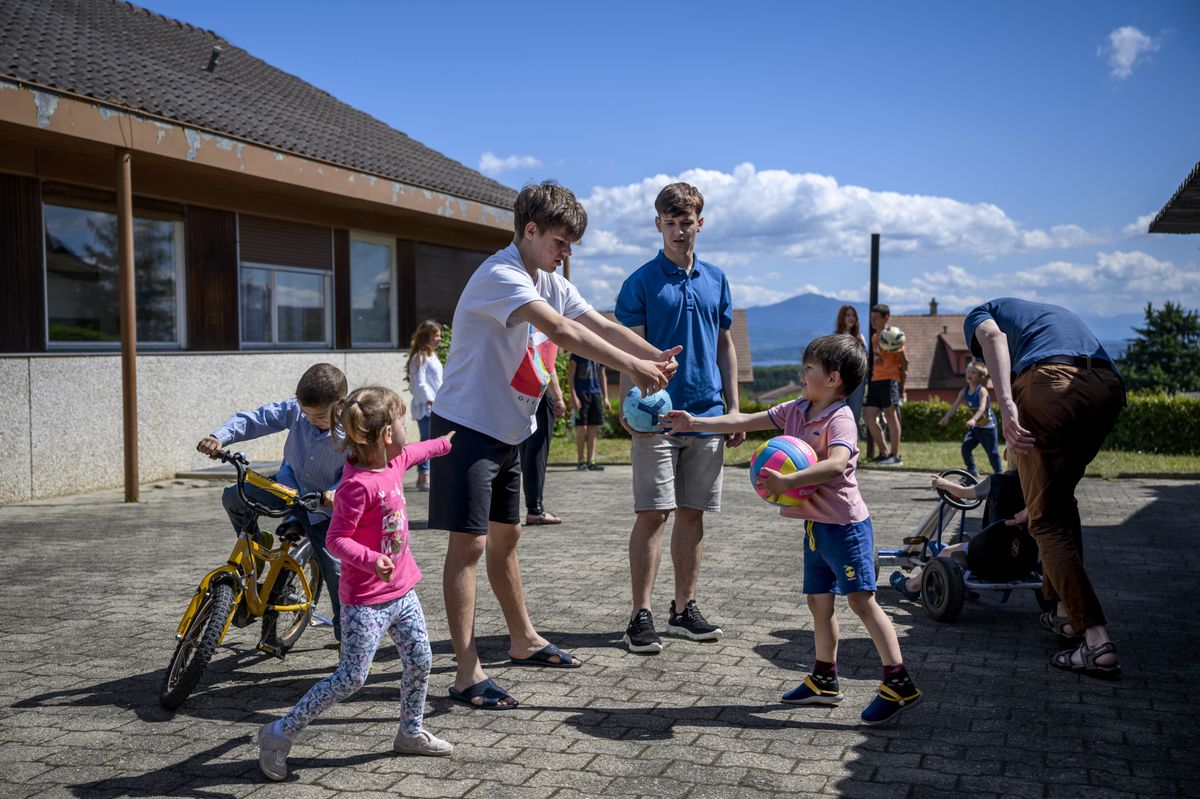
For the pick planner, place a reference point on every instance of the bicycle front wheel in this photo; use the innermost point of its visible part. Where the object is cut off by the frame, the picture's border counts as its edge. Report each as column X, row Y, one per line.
column 197, row 647
column 287, row 627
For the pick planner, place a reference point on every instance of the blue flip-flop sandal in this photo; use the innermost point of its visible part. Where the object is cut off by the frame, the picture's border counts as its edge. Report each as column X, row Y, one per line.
column 491, row 693
column 542, row 659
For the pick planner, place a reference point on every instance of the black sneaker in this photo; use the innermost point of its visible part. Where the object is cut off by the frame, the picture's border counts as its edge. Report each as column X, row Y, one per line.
column 692, row 624
column 595, row 467
column 640, row 635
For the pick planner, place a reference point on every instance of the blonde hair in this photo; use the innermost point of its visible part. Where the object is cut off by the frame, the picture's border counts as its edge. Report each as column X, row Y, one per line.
column 364, row 415
column 422, row 344
column 979, row 367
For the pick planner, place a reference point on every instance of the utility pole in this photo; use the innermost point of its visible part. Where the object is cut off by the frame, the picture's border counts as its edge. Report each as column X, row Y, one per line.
column 871, row 338
column 128, row 306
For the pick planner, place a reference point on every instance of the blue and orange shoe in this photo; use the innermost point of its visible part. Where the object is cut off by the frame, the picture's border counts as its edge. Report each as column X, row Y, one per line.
column 896, row 694
column 815, row 690
column 899, row 581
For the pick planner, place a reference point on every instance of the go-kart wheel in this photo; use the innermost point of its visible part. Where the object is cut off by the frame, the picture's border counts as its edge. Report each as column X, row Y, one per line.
column 942, row 589
column 962, row 477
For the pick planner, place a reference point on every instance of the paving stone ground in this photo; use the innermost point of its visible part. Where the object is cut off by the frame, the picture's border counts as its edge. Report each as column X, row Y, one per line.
column 92, row 590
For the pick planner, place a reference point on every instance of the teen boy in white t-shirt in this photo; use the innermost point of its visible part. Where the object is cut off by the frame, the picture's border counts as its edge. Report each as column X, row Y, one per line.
column 512, row 316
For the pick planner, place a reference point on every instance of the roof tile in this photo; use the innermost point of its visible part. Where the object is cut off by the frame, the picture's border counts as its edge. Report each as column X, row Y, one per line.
column 123, row 55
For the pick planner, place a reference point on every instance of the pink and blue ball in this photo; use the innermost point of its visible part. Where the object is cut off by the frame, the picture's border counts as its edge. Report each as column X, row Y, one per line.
column 784, row 454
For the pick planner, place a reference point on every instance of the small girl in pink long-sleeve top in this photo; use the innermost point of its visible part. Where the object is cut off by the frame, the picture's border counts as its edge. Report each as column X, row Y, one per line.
column 369, row 534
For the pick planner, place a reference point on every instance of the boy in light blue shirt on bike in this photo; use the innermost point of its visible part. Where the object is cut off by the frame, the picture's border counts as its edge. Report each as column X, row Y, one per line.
column 311, row 460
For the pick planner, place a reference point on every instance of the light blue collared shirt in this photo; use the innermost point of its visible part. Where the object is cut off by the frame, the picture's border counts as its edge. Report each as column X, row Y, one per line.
column 311, row 459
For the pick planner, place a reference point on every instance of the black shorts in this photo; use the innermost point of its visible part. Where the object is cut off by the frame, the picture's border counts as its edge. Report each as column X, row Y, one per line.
column 883, row 393
column 478, row 482
column 591, row 409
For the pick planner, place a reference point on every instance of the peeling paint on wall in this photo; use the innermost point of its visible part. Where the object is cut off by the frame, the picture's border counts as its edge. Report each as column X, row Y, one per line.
column 4, row 84
column 46, row 104
column 222, row 142
column 193, row 140
column 105, row 112
column 395, row 191
column 163, row 130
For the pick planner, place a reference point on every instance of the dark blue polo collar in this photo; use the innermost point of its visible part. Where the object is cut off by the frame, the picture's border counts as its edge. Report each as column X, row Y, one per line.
column 669, row 267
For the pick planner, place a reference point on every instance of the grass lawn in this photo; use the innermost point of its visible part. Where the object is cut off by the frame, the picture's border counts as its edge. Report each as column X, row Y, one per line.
column 921, row 455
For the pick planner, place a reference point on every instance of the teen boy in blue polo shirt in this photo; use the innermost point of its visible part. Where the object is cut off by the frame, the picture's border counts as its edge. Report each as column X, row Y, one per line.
column 677, row 299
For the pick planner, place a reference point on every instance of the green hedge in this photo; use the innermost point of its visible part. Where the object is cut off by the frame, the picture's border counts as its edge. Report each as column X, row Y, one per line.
column 1167, row 425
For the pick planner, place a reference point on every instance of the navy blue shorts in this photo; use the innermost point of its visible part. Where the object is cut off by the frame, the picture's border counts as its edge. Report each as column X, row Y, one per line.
column 839, row 558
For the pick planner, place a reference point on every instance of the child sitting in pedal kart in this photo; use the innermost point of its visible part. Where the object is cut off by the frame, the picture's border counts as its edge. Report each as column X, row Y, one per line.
column 1002, row 550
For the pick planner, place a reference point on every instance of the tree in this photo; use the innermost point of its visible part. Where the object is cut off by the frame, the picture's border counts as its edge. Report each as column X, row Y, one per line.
column 1166, row 354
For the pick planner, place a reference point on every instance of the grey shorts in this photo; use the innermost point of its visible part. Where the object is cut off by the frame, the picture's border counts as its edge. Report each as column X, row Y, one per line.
column 677, row 472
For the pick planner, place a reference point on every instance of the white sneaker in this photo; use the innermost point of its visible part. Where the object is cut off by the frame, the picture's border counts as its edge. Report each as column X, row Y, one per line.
column 425, row 743
column 273, row 750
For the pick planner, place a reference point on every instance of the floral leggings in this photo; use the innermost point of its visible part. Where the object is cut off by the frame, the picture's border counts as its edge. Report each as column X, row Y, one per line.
column 363, row 627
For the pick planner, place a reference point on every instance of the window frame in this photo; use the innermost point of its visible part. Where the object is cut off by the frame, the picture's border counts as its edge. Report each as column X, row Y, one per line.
column 178, row 240
column 275, row 344
column 393, row 297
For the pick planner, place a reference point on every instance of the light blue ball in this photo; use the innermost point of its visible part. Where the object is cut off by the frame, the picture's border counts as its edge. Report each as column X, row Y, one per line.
column 643, row 413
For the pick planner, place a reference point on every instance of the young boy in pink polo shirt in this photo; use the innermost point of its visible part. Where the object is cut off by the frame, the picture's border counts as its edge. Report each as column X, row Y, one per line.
column 839, row 545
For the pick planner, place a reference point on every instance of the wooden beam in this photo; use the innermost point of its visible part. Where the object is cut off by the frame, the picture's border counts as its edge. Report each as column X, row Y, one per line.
column 126, row 278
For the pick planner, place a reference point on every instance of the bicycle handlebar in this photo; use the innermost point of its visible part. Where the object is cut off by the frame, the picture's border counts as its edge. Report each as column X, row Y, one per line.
column 311, row 502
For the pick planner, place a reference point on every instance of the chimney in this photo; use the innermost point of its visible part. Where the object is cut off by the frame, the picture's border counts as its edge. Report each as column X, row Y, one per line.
column 933, row 306
column 213, row 57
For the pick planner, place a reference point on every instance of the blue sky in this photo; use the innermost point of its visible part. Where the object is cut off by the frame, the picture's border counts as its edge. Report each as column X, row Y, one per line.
column 1002, row 148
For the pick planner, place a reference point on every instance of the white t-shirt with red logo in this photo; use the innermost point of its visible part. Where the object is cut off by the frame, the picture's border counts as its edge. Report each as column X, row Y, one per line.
column 499, row 366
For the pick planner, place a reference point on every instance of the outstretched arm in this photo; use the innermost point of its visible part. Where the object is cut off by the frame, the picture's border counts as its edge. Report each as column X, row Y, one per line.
column 995, row 354
column 727, row 362
column 736, row 422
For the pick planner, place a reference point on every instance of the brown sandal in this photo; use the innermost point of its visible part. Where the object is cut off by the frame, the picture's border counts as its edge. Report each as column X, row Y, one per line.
column 1089, row 667
column 545, row 517
column 1056, row 625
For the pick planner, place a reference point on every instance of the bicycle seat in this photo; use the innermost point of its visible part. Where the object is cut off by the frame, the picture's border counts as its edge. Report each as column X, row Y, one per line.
column 290, row 530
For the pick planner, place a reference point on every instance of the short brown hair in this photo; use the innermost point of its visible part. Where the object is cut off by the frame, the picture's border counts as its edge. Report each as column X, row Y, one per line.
column 881, row 309
column 842, row 354
column 549, row 205
column 321, row 386
column 679, row 199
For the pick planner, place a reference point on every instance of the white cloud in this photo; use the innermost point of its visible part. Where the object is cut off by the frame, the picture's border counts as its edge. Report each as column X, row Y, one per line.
column 492, row 164
column 775, row 214
column 1139, row 227
column 1126, row 45
column 1116, row 282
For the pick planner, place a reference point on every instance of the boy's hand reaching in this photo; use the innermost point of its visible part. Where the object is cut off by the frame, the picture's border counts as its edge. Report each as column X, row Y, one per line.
column 652, row 376
column 945, row 420
column 970, row 423
column 384, row 568
column 209, row 446
column 772, row 481
column 677, row 422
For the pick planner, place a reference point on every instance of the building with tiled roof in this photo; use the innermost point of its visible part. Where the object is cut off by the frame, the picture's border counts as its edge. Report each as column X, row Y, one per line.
column 271, row 226
column 937, row 353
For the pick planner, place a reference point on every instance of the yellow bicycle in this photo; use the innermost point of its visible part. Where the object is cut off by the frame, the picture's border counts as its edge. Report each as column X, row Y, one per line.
column 284, row 596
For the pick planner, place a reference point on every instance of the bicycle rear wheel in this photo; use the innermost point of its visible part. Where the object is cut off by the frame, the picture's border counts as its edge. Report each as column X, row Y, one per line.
column 197, row 647
column 286, row 628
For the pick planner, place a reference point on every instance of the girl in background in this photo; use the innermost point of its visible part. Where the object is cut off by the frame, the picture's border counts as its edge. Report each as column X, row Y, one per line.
column 424, row 372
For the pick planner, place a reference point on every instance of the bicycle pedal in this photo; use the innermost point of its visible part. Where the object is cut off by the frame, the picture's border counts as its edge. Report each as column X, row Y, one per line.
column 273, row 651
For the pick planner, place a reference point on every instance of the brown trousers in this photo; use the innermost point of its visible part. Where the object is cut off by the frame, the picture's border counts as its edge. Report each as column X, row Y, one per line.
column 1069, row 410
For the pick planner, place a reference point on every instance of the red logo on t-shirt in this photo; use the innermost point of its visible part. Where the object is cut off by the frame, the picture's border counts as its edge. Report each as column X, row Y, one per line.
column 533, row 373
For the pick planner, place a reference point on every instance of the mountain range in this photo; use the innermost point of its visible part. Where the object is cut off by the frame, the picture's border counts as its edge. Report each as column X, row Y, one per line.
column 779, row 332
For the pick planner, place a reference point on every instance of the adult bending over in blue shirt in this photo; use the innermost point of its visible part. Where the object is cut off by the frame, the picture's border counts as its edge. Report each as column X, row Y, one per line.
column 1059, row 396
column 311, row 461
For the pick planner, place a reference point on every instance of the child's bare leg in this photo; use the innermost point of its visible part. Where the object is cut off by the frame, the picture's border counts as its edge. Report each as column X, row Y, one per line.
column 874, row 430
column 878, row 625
column 825, row 626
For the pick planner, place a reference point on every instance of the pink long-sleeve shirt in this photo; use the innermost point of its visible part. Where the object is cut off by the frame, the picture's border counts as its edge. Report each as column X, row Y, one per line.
column 370, row 519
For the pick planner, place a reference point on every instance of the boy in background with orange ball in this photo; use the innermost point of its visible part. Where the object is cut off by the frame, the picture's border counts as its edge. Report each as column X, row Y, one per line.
column 839, row 549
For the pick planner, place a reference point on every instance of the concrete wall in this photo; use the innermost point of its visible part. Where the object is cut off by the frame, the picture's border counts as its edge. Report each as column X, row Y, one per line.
column 60, row 429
